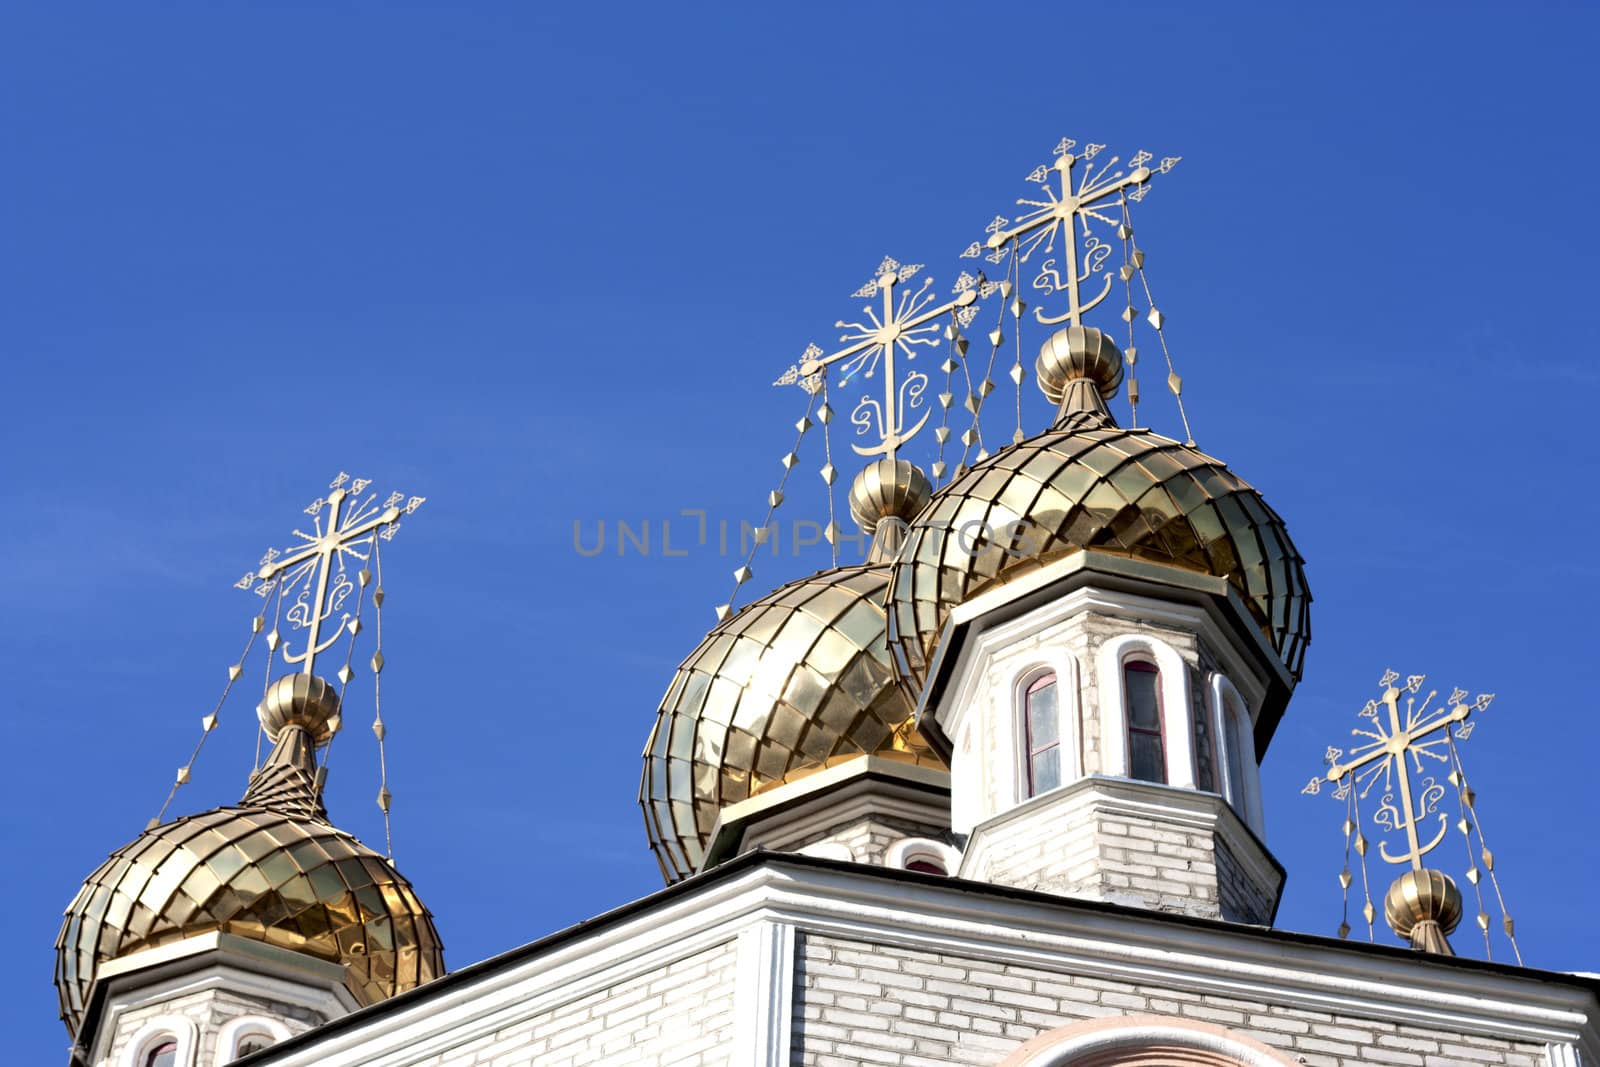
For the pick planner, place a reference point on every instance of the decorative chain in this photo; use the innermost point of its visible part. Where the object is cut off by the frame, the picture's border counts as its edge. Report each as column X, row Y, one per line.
column 829, row 473
column 1154, row 317
column 379, row 730
column 1469, row 822
column 1131, row 353
column 273, row 638
column 209, row 723
column 955, row 356
column 775, row 498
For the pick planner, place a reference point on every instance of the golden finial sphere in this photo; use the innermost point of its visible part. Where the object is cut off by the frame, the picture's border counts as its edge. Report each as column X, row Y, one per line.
column 888, row 489
column 1422, row 896
column 303, row 700
column 1078, row 352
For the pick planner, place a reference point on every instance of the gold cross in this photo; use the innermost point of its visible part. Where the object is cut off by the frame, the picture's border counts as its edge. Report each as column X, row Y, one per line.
column 1065, row 213
column 1396, row 748
column 906, row 318
column 352, row 523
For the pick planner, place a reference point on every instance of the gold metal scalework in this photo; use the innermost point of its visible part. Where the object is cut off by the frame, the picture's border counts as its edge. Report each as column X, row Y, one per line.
column 1089, row 484
column 797, row 681
column 1410, row 758
column 271, row 868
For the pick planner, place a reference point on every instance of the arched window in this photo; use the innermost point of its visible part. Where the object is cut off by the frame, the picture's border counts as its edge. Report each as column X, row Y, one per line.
column 922, row 854
column 1041, row 724
column 1147, row 753
column 1144, row 1041
column 1238, row 759
column 246, row 1034
column 164, row 1054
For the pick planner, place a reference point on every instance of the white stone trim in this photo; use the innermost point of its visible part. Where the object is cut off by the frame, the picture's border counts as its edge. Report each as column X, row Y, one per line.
column 147, row 1039
column 236, row 1030
column 1069, row 716
column 935, row 915
column 1220, row 641
column 1177, row 714
column 1146, row 802
column 908, row 850
column 828, row 850
column 211, row 962
column 764, row 992
column 1245, row 796
column 1562, row 1054
column 1103, row 1041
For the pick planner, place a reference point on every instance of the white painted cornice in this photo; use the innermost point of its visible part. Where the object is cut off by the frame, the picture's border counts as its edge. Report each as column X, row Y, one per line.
column 958, row 918
column 1145, row 802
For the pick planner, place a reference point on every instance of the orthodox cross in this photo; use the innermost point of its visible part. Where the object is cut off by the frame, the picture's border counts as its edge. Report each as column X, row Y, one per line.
column 1396, row 747
column 905, row 320
column 313, row 573
column 1065, row 213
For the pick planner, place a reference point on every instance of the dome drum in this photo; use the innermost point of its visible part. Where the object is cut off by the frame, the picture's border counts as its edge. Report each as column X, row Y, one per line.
column 258, row 873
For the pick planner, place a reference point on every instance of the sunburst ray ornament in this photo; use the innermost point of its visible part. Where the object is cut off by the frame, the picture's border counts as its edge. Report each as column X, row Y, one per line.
column 906, row 317
column 1408, row 756
column 314, row 575
column 1071, row 257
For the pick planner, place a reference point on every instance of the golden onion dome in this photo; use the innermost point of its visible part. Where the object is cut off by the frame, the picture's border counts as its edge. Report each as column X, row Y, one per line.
column 271, row 868
column 1089, row 484
column 796, row 681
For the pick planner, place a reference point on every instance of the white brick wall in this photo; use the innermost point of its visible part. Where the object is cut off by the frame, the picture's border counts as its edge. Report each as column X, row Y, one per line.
column 859, row 1003
column 679, row 1015
column 1131, row 843
column 209, row 1010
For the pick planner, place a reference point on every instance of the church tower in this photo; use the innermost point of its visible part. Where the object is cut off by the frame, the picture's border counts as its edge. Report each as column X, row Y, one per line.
column 224, row 932
column 1102, row 627
column 1070, row 657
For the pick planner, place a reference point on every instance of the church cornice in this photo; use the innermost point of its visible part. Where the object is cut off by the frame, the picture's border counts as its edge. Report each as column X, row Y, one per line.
column 758, row 896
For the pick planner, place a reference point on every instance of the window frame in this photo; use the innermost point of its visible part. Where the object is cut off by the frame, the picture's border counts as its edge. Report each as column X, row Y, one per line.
column 1177, row 729
column 1229, row 705
column 237, row 1030
column 1029, row 751
column 155, row 1033
column 1136, row 662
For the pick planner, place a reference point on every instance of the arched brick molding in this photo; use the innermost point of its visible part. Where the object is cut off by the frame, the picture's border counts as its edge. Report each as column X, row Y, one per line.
column 1144, row 1041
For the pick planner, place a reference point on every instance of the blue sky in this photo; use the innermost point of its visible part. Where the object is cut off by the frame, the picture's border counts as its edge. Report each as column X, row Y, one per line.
column 539, row 264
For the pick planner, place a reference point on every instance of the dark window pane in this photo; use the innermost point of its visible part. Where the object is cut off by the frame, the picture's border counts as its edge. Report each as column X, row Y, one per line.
column 1143, row 684
column 925, row 866
column 1146, row 760
column 254, row 1043
column 164, row 1055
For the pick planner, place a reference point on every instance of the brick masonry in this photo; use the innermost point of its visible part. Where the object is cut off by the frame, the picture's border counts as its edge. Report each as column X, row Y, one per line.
column 1085, row 841
column 868, row 837
column 209, row 1010
column 679, row 1015
column 859, row 1003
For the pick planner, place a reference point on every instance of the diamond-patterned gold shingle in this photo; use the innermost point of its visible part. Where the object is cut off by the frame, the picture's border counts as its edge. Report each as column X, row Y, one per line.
column 272, row 869
column 796, row 681
column 1089, row 484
